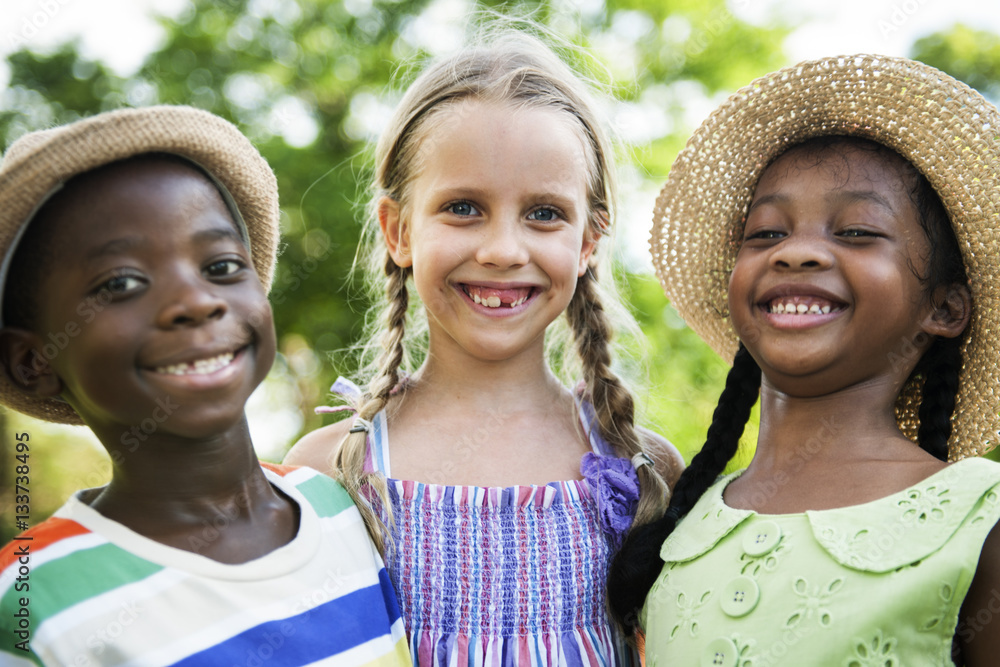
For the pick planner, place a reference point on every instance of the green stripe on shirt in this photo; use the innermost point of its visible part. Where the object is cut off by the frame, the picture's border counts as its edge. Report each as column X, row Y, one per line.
column 62, row 583
column 326, row 495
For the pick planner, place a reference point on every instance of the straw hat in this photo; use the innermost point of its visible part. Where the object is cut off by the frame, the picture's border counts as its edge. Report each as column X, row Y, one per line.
column 37, row 165
column 948, row 131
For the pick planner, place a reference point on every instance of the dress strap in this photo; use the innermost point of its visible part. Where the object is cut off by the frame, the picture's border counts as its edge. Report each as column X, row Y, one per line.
column 378, row 445
column 377, row 458
column 588, row 419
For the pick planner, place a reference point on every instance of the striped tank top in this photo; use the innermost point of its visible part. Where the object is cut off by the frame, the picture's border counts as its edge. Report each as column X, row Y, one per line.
column 501, row 576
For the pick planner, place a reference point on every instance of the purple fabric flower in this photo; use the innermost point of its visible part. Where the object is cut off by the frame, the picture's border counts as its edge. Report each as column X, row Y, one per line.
column 615, row 484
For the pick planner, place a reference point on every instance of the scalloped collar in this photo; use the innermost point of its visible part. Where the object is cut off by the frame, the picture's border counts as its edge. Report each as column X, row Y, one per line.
column 862, row 537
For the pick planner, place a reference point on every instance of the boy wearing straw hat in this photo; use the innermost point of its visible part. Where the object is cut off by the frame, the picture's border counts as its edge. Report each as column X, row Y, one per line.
column 138, row 246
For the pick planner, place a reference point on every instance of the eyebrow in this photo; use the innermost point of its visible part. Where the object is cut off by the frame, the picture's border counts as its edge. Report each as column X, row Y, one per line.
column 113, row 247
column 846, row 196
column 122, row 245
column 541, row 196
column 222, row 232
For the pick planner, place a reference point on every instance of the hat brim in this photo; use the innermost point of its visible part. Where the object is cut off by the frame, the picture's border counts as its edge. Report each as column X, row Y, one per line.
column 947, row 130
column 39, row 163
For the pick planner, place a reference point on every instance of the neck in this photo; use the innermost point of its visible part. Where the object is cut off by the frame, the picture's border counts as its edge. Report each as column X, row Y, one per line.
column 524, row 381
column 182, row 479
column 853, row 425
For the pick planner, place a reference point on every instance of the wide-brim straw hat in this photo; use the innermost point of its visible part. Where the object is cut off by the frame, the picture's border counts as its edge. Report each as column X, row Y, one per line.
column 37, row 165
column 948, row 131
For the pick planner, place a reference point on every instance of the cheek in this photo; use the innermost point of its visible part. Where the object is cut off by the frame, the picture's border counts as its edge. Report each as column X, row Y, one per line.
column 738, row 299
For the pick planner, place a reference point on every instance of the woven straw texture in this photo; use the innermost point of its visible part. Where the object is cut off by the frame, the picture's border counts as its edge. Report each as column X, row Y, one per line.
column 943, row 127
column 39, row 162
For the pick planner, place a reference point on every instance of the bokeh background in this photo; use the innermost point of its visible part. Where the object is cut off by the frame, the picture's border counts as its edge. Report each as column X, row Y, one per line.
column 312, row 82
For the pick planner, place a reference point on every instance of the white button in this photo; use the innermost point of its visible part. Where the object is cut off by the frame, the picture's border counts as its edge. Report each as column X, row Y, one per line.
column 761, row 538
column 739, row 597
column 720, row 652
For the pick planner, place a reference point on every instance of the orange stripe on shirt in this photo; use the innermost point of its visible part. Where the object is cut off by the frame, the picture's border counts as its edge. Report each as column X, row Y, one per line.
column 278, row 468
column 44, row 534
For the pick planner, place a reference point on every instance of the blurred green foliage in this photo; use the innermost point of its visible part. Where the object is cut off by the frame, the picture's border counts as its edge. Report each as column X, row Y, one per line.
column 309, row 81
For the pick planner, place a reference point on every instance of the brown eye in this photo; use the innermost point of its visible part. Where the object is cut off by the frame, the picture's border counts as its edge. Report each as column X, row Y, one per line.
column 122, row 284
column 223, row 268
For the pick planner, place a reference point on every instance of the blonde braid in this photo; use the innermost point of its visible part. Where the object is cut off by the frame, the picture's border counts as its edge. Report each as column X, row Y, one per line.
column 350, row 460
column 612, row 402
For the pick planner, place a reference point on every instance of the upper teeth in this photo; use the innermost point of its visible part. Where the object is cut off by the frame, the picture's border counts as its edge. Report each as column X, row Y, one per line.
column 200, row 367
column 493, row 301
column 798, row 308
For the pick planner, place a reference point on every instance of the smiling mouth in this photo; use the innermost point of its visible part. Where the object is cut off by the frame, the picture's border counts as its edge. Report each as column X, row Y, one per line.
column 200, row 366
column 498, row 298
column 802, row 306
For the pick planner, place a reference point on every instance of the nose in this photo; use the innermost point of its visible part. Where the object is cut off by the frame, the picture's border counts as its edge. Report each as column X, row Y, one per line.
column 802, row 251
column 189, row 301
column 503, row 244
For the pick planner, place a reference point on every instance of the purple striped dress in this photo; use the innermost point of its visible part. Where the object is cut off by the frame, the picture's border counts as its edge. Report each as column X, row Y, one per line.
column 501, row 576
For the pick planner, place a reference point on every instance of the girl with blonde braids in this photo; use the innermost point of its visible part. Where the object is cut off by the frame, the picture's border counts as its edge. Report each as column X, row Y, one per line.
column 493, row 191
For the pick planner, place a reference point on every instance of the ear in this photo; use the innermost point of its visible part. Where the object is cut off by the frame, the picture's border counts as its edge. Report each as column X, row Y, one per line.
column 952, row 309
column 25, row 365
column 395, row 232
column 591, row 237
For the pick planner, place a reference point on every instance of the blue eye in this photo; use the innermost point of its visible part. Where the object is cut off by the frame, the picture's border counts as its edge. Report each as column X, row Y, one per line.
column 463, row 208
column 225, row 267
column 544, row 215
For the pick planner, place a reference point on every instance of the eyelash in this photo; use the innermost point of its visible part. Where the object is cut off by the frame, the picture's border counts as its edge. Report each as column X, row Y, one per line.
column 765, row 234
column 451, row 208
column 106, row 286
column 856, row 233
column 237, row 264
column 556, row 213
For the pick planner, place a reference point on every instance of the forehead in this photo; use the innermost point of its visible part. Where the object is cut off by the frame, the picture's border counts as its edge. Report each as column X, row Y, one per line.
column 123, row 195
column 841, row 165
column 478, row 139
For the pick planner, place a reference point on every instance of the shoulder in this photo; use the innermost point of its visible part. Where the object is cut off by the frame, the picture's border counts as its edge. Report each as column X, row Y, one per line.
column 981, row 648
column 666, row 458
column 318, row 449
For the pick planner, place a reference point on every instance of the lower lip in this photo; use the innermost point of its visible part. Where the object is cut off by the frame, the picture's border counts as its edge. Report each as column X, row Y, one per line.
column 803, row 321
column 205, row 381
column 501, row 310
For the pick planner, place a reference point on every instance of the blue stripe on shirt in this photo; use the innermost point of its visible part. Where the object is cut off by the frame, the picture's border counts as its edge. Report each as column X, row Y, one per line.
column 327, row 630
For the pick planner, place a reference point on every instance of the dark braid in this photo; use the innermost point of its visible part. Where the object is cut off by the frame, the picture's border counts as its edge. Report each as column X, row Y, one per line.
column 940, row 366
column 637, row 565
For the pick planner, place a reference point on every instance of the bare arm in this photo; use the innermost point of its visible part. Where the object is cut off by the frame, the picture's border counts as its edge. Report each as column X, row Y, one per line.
column 666, row 459
column 318, row 449
column 977, row 637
